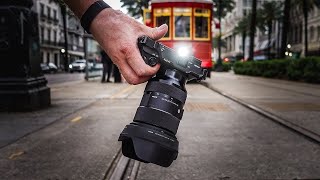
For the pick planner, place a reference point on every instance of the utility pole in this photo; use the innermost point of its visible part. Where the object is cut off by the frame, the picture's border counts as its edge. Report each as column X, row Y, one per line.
column 65, row 32
column 219, row 61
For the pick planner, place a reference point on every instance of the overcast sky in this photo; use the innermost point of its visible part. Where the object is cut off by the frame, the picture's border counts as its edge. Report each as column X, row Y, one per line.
column 115, row 5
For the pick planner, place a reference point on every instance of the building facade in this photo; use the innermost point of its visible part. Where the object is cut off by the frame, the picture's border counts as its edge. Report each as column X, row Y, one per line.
column 50, row 23
column 234, row 42
column 52, row 39
column 296, row 37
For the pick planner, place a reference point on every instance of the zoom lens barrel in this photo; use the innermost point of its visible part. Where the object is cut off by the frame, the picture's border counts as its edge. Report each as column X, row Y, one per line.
column 151, row 136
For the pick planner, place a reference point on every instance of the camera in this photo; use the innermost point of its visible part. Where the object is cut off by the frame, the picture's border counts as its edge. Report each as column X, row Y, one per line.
column 150, row 138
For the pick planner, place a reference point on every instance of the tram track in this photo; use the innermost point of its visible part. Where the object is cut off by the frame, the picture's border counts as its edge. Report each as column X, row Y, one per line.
column 310, row 135
column 122, row 168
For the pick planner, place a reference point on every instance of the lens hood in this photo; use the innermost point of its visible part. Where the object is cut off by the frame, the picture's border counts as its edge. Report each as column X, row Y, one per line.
column 149, row 144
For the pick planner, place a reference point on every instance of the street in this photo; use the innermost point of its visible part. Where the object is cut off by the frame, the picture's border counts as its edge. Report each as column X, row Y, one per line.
column 220, row 138
column 64, row 78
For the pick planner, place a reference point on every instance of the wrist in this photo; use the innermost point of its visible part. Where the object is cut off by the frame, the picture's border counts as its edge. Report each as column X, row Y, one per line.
column 91, row 13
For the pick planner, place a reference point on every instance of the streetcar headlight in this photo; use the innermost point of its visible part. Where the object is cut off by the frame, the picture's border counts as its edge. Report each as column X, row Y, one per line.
column 184, row 51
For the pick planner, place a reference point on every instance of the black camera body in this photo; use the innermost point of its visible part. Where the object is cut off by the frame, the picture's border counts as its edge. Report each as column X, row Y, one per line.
column 150, row 138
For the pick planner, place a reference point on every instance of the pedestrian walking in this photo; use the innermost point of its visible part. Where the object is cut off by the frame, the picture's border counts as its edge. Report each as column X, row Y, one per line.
column 107, row 66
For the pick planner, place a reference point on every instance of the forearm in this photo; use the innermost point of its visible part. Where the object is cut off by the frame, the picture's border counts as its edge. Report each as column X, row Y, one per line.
column 79, row 6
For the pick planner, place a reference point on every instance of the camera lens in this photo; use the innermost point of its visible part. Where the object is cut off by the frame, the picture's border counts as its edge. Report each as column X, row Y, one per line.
column 151, row 136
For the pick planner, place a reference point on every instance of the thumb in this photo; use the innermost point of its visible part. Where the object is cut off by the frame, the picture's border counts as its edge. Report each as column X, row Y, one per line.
column 158, row 32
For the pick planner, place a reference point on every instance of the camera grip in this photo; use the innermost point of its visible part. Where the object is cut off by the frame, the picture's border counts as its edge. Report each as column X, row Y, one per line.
column 149, row 51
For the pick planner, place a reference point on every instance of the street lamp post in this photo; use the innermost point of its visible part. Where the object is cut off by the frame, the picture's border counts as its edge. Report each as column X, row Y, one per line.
column 219, row 61
column 22, row 84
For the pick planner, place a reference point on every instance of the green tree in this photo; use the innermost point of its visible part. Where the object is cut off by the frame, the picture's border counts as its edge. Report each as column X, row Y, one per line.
column 306, row 6
column 242, row 28
column 270, row 12
column 135, row 7
column 220, row 10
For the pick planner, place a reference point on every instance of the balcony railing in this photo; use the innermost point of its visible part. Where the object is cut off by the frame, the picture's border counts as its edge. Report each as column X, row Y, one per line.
column 43, row 16
column 75, row 48
column 71, row 47
column 51, row 43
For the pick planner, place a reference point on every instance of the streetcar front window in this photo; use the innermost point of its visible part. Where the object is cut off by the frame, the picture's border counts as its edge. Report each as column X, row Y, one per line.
column 182, row 26
column 182, row 23
column 162, row 16
column 202, row 25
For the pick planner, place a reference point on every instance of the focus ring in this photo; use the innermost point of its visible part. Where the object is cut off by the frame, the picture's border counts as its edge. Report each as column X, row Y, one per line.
column 157, row 118
column 172, row 91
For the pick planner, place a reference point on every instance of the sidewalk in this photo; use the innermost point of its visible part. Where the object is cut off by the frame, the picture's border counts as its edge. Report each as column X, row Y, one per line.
column 294, row 101
column 66, row 99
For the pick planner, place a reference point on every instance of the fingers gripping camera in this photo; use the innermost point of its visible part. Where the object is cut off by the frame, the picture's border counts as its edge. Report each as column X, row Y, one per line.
column 150, row 138
column 154, row 52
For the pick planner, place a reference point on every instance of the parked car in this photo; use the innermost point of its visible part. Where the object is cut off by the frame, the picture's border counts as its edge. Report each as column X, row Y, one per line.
column 78, row 65
column 48, row 68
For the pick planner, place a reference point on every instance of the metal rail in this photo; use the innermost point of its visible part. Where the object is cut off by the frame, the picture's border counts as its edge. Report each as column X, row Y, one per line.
column 122, row 168
column 283, row 122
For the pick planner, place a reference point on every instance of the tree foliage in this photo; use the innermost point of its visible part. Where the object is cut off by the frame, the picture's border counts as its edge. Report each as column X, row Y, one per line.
column 226, row 6
column 267, row 15
column 135, row 7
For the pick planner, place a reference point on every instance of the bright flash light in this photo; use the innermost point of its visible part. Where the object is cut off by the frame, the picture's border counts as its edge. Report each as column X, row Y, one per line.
column 289, row 46
column 290, row 54
column 286, row 53
column 183, row 51
column 70, row 66
column 63, row 50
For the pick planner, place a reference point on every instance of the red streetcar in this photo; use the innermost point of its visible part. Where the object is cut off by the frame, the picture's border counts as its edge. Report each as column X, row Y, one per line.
column 189, row 24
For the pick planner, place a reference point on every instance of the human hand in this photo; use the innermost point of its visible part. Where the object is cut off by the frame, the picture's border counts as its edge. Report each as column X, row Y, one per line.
column 117, row 33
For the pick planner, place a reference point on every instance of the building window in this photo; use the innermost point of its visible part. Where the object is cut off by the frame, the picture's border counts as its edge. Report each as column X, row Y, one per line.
column 55, row 37
column 41, row 9
column 42, row 56
column 162, row 16
column 49, row 35
column 48, row 11
column 311, row 33
column 80, row 41
column 318, row 32
column 75, row 40
column 41, row 34
column 244, row 12
column 182, row 23
column 201, row 27
column 48, row 58
column 55, row 14
column 247, row 3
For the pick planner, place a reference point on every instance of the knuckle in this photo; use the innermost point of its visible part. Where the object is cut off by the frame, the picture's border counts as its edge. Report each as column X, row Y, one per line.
column 141, row 72
column 125, row 48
